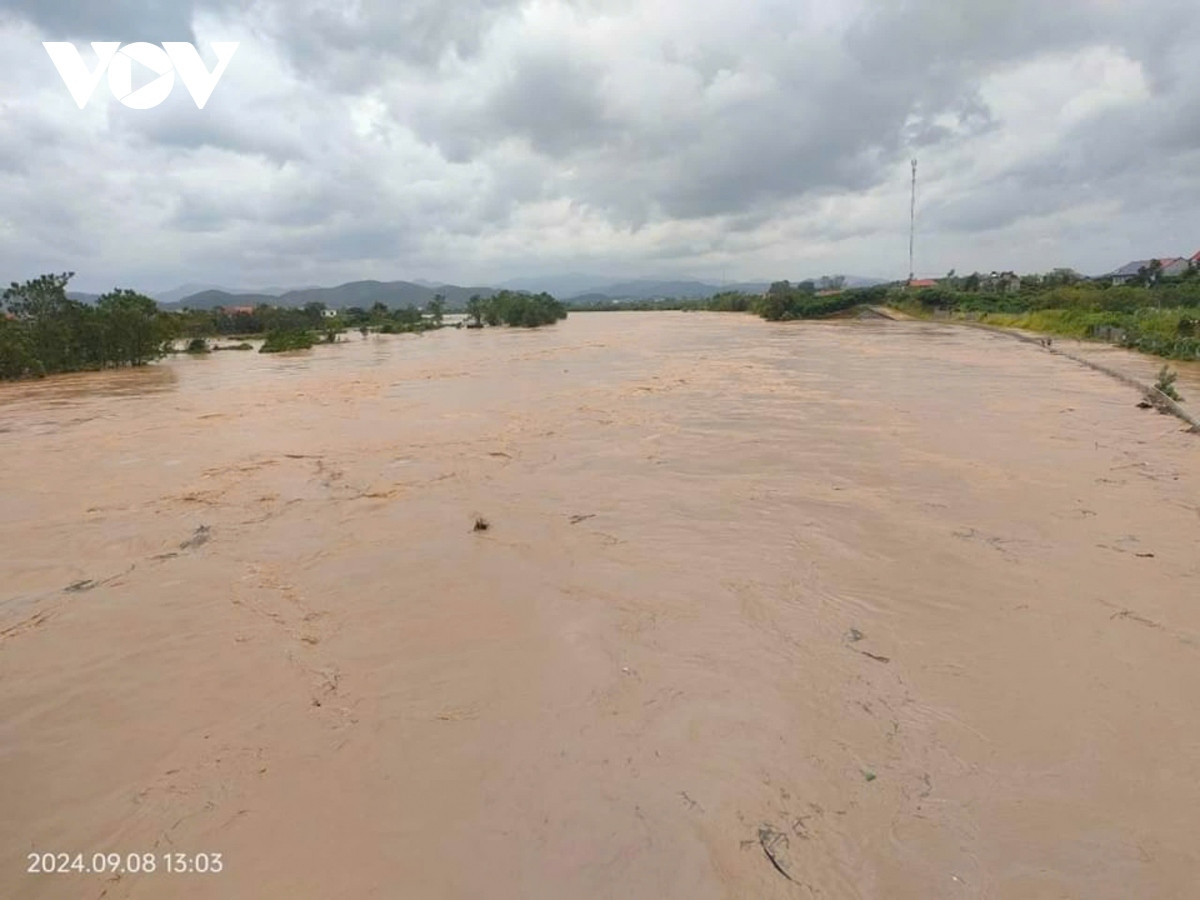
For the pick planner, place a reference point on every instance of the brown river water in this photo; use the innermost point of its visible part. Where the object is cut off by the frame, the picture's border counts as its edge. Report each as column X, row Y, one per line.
column 854, row 610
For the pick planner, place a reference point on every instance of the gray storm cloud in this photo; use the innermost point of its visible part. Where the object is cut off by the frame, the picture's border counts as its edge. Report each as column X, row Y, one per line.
column 480, row 140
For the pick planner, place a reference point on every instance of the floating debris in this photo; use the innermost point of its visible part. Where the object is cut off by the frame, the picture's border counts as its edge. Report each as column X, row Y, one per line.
column 199, row 539
column 881, row 659
column 775, row 844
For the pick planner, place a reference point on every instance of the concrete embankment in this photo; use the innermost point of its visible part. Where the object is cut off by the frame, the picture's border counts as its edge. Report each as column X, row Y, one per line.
column 1150, row 392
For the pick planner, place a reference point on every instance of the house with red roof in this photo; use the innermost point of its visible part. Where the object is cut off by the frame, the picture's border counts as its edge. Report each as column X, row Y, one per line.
column 919, row 283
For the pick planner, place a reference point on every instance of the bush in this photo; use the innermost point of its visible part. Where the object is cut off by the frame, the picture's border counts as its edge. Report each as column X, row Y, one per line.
column 1166, row 383
column 283, row 341
column 519, row 310
column 784, row 301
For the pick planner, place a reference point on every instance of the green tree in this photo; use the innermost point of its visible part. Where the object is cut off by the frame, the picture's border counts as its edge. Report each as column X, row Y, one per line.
column 1149, row 274
column 491, row 311
column 284, row 340
column 314, row 313
column 134, row 332
column 52, row 322
column 437, row 308
column 45, row 331
column 476, row 309
column 16, row 354
column 777, row 304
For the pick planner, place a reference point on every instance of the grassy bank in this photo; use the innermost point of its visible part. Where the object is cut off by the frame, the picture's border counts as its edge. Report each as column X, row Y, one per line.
column 1166, row 333
column 1161, row 318
column 1169, row 333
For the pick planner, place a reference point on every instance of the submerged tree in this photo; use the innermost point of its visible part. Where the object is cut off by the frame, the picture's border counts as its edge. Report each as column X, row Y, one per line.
column 518, row 309
column 437, row 308
column 476, row 309
column 134, row 331
column 44, row 331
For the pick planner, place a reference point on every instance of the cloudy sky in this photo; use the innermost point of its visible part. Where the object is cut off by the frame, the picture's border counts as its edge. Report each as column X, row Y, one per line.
column 480, row 140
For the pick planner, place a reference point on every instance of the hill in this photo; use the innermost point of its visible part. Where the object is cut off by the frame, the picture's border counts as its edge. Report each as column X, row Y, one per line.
column 648, row 289
column 410, row 293
column 358, row 293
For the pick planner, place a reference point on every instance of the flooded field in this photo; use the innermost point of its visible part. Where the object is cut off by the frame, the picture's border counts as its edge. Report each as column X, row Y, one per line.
column 855, row 610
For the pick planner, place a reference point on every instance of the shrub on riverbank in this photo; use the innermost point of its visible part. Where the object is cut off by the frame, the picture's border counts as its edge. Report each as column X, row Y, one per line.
column 1166, row 384
column 784, row 301
column 1169, row 333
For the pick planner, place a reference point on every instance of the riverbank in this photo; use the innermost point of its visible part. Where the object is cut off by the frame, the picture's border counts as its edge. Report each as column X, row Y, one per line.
column 1126, row 367
column 1169, row 334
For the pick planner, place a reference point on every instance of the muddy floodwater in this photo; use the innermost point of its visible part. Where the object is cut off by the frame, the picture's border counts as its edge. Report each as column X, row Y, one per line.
column 856, row 610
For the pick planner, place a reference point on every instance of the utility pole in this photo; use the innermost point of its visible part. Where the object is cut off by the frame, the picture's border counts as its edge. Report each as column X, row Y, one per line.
column 912, row 224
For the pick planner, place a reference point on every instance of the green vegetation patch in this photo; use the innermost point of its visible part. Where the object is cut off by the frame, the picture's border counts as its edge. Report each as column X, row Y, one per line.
column 516, row 309
column 283, row 341
column 42, row 331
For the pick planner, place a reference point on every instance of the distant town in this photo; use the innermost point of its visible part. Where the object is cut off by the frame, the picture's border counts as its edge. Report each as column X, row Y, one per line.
column 1144, row 272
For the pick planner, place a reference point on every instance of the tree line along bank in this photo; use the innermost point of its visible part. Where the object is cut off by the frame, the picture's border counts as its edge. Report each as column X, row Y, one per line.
column 43, row 331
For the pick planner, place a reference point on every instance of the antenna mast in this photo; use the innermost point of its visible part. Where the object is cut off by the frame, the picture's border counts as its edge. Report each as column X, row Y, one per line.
column 912, row 227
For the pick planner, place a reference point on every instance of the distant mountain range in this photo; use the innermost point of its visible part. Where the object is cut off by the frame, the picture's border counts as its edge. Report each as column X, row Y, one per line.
column 356, row 293
column 579, row 288
column 573, row 288
column 190, row 290
column 645, row 289
column 563, row 285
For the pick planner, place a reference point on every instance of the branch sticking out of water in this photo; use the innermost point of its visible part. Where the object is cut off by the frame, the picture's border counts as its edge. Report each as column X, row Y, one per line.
column 771, row 841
